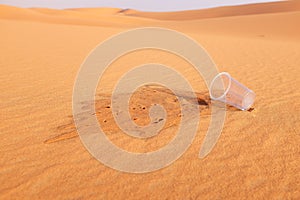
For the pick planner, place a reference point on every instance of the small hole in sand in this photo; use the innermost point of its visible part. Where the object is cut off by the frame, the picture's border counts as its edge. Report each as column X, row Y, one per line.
column 250, row 109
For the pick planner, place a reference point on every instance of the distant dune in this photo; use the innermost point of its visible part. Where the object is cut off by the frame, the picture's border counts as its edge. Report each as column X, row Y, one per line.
column 277, row 19
column 106, row 17
column 10, row 12
column 226, row 11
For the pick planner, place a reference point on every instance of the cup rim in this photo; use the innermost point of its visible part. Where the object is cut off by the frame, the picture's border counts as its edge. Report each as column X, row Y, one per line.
column 212, row 83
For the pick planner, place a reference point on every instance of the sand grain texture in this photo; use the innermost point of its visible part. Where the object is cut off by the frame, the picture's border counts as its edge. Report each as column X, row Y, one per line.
column 256, row 157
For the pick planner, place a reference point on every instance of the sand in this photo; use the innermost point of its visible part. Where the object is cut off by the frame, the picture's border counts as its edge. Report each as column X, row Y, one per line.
column 256, row 157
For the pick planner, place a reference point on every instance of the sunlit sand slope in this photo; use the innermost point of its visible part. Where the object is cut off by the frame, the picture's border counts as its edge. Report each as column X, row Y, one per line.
column 256, row 157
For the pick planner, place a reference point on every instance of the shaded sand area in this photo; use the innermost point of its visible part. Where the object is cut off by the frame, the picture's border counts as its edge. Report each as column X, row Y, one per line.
column 256, row 157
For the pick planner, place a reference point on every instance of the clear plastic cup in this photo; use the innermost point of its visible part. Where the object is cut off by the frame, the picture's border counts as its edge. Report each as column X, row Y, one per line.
column 226, row 89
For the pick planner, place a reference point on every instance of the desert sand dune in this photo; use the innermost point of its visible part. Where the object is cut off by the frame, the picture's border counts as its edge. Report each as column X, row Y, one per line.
column 226, row 11
column 98, row 11
column 71, row 16
column 285, row 28
column 42, row 157
column 286, row 25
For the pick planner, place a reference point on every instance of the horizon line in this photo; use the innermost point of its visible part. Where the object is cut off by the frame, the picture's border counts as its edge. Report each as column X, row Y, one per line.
column 143, row 10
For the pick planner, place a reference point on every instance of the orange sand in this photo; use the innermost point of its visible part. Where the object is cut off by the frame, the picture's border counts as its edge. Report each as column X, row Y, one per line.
column 256, row 157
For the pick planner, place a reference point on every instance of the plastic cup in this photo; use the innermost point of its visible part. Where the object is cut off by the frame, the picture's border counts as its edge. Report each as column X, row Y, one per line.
column 226, row 89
